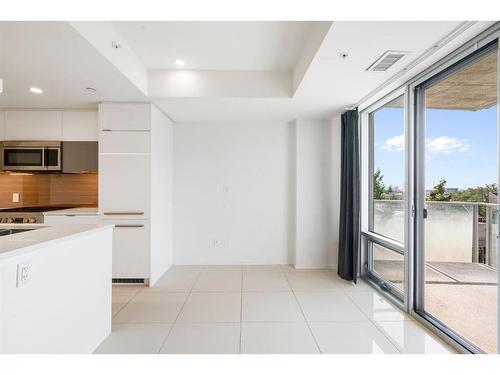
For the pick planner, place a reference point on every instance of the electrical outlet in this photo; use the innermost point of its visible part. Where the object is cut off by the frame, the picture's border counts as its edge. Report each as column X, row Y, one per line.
column 216, row 243
column 23, row 273
column 15, row 197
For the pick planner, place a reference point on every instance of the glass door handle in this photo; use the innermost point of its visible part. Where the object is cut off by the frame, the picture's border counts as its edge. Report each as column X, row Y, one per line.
column 425, row 213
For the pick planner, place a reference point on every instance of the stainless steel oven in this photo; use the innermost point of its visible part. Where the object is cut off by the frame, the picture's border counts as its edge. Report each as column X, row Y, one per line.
column 31, row 156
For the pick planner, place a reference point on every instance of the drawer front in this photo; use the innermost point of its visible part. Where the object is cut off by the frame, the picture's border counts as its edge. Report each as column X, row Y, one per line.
column 124, row 181
column 130, row 248
column 124, row 116
column 71, row 219
column 124, row 142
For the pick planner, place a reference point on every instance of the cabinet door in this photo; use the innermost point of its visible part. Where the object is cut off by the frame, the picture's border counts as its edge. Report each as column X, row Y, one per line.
column 130, row 248
column 79, row 126
column 70, row 219
column 79, row 157
column 124, row 116
column 124, row 185
column 33, row 125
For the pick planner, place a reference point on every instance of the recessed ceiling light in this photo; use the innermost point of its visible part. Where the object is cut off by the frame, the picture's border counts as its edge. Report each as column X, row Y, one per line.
column 179, row 62
column 36, row 90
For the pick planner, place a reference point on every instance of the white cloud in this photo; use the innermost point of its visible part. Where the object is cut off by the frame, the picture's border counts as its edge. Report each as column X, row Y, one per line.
column 439, row 145
column 396, row 143
column 446, row 145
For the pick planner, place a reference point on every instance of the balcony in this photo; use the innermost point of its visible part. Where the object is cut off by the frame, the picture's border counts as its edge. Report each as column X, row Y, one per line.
column 461, row 262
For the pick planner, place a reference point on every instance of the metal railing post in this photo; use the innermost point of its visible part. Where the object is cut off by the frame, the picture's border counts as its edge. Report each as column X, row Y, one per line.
column 475, row 237
column 489, row 222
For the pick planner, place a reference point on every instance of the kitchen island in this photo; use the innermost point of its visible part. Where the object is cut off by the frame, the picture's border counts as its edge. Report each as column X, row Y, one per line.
column 55, row 287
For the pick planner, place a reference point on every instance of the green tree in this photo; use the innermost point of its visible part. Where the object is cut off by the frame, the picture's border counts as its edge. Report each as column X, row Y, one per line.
column 477, row 194
column 438, row 192
column 379, row 188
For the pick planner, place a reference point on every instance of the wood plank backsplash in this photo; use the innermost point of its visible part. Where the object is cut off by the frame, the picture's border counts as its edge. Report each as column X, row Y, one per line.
column 48, row 189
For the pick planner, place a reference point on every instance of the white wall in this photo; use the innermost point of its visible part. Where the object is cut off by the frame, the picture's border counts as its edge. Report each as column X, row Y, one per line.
column 231, row 193
column 317, row 164
column 292, row 192
column 161, row 257
column 2, row 125
column 334, row 178
column 312, row 216
column 257, row 193
column 222, row 84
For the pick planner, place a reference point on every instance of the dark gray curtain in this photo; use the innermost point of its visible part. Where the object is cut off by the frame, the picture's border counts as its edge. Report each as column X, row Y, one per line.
column 349, row 198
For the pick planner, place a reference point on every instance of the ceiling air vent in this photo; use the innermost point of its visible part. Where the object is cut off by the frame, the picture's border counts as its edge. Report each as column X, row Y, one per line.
column 388, row 59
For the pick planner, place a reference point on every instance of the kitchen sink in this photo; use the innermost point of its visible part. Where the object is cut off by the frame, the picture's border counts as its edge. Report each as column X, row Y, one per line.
column 7, row 232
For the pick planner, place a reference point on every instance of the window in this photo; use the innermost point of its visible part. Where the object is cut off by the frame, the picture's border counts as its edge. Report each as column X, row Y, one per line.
column 388, row 170
column 384, row 176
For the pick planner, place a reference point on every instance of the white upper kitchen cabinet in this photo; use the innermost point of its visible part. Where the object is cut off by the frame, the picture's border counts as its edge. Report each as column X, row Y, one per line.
column 124, row 116
column 79, row 126
column 33, row 125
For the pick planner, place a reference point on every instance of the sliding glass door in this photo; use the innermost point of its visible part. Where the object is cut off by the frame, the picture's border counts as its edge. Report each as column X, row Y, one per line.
column 429, row 195
column 456, row 180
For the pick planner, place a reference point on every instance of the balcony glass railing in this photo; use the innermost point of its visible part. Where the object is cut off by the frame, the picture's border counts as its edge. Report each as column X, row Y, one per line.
column 462, row 232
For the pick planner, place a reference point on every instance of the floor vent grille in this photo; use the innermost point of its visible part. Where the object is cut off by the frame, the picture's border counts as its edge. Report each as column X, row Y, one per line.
column 128, row 281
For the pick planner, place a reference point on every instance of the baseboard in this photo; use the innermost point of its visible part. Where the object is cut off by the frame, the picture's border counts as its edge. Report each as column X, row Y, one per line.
column 332, row 267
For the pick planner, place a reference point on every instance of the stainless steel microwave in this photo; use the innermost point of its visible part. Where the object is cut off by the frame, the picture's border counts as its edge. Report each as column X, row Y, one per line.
column 31, row 156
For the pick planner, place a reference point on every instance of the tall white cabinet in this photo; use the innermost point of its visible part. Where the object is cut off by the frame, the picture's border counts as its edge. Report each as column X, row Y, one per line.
column 135, row 187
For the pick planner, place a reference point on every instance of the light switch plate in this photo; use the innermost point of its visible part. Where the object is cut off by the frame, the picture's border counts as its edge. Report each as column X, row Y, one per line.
column 23, row 273
column 15, row 197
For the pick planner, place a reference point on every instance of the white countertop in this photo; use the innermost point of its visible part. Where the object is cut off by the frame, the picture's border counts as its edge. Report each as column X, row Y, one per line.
column 80, row 211
column 15, row 244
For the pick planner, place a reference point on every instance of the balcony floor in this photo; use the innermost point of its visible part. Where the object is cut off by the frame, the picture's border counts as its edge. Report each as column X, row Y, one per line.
column 461, row 295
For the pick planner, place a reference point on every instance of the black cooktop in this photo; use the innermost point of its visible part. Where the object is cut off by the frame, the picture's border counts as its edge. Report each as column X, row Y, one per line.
column 36, row 209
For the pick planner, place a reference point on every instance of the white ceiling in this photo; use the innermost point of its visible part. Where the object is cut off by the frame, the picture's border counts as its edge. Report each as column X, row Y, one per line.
column 345, row 81
column 55, row 58
column 216, row 45
column 331, row 83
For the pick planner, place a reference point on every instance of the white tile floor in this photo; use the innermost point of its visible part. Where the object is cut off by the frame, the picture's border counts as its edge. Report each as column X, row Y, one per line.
column 260, row 309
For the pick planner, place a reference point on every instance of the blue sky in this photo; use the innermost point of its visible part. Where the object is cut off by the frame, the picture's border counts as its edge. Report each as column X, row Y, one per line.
column 461, row 146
